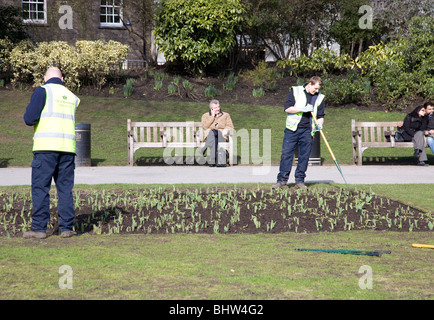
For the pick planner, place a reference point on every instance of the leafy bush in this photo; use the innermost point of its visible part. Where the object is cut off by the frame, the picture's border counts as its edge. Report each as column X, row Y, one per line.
column 88, row 61
column 351, row 89
column 172, row 88
column 187, row 85
column 210, row 91
column 177, row 80
column 320, row 61
column 161, row 76
column 128, row 87
column 263, row 76
column 404, row 68
column 230, row 82
column 258, row 92
column 197, row 33
column 128, row 90
column 158, row 85
column 98, row 58
column 6, row 47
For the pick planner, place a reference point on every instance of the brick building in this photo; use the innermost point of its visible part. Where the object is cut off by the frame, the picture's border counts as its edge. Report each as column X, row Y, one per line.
column 72, row 20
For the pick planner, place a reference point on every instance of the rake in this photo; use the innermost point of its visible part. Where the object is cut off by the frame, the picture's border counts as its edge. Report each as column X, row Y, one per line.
column 376, row 253
column 330, row 150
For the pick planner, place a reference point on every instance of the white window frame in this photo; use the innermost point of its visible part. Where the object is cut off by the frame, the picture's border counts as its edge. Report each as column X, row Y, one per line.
column 35, row 10
column 109, row 12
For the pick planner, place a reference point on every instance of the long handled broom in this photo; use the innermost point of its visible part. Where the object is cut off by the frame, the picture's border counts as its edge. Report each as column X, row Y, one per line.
column 330, row 150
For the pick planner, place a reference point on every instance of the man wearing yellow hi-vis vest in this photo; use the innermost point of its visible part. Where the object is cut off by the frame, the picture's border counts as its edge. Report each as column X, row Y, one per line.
column 52, row 113
column 300, row 103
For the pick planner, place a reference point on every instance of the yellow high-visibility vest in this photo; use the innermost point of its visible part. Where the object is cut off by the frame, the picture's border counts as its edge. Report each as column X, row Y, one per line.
column 55, row 130
column 292, row 120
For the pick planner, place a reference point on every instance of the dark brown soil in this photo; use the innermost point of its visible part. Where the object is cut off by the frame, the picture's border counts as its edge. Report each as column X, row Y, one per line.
column 223, row 211
column 241, row 94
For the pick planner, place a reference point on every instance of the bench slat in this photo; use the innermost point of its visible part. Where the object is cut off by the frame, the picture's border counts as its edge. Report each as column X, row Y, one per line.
column 373, row 135
column 142, row 134
column 187, row 134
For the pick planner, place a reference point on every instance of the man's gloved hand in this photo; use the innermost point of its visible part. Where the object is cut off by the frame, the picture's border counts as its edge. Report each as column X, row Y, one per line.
column 307, row 108
column 318, row 127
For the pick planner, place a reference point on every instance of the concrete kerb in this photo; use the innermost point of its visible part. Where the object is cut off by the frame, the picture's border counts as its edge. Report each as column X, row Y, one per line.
column 178, row 174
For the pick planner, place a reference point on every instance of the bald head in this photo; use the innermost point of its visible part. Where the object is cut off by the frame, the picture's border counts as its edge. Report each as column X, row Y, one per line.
column 53, row 72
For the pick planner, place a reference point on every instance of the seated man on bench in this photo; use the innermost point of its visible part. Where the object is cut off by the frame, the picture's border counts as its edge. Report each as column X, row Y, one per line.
column 217, row 125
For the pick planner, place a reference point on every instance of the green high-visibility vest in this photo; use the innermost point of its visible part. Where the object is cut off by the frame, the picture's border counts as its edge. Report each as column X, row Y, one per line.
column 292, row 120
column 55, row 130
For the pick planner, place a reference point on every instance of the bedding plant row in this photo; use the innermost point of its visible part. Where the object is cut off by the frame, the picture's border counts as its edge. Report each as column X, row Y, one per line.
column 215, row 210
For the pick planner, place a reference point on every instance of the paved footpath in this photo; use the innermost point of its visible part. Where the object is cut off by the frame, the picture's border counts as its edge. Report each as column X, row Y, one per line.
column 236, row 174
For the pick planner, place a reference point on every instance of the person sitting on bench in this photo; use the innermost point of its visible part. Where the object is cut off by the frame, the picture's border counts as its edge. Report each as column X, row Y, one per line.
column 414, row 125
column 217, row 125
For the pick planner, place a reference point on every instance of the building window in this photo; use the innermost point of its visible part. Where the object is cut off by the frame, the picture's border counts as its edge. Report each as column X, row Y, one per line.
column 34, row 11
column 110, row 14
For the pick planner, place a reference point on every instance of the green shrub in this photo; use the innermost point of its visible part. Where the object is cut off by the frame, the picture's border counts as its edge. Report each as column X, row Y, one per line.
column 230, row 82
column 87, row 62
column 97, row 59
column 263, row 76
column 160, row 76
column 258, row 92
column 172, row 88
column 130, row 82
column 128, row 87
column 403, row 68
column 350, row 89
column 158, row 85
column 6, row 47
column 177, row 80
column 322, row 61
column 197, row 33
column 128, row 90
column 187, row 85
column 210, row 91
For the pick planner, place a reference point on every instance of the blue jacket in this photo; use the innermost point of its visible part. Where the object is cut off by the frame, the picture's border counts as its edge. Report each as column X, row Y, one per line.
column 37, row 103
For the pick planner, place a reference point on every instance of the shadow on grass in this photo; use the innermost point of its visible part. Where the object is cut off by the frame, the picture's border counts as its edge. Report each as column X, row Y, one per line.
column 4, row 162
column 95, row 162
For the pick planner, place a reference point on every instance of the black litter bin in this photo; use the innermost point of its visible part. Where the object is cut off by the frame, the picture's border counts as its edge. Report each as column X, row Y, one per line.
column 82, row 136
column 315, row 154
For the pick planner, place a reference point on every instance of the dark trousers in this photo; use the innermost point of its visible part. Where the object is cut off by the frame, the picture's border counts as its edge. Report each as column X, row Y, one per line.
column 45, row 167
column 419, row 143
column 302, row 138
column 214, row 137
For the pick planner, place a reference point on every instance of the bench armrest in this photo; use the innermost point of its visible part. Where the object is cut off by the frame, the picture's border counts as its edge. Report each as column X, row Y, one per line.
column 356, row 133
column 388, row 133
column 163, row 136
column 227, row 134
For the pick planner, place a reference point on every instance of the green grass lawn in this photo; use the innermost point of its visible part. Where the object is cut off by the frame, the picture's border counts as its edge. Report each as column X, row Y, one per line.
column 210, row 267
column 262, row 266
column 108, row 119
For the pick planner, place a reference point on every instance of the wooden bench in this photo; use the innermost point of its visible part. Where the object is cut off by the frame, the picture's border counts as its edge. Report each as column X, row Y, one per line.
column 366, row 135
column 187, row 134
